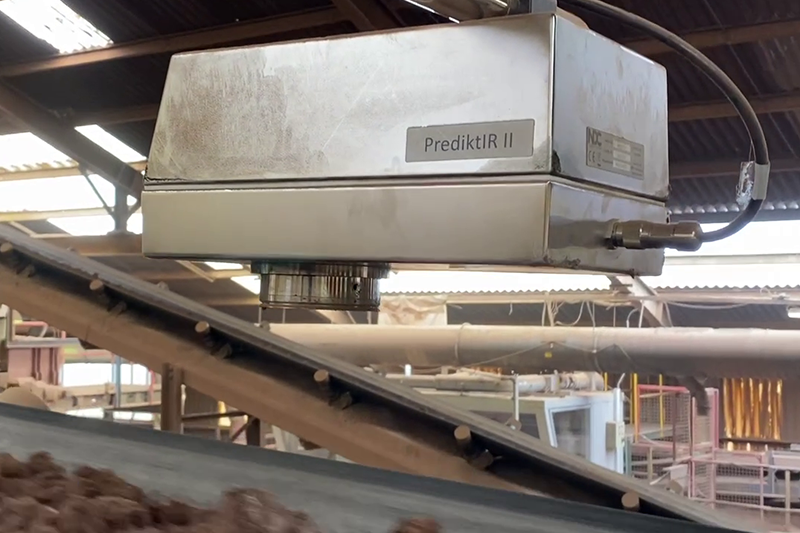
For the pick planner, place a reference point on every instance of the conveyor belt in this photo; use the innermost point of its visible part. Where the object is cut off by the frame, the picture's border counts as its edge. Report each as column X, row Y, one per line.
column 340, row 497
column 386, row 424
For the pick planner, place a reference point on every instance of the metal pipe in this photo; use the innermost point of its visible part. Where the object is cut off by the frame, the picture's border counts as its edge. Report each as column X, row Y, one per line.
column 117, row 378
column 515, row 397
column 754, row 353
column 525, row 384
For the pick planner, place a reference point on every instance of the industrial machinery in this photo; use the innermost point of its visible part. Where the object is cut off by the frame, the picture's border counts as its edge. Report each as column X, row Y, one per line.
column 567, row 411
column 570, row 411
column 503, row 143
column 509, row 143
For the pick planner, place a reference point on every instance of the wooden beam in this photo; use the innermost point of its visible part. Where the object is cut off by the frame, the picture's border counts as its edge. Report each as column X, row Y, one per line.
column 367, row 15
column 721, row 37
column 195, row 40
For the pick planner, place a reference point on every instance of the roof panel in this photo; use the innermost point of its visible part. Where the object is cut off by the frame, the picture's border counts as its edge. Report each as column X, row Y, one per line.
column 128, row 20
column 769, row 67
column 126, row 82
column 17, row 44
column 129, row 82
column 684, row 16
column 719, row 191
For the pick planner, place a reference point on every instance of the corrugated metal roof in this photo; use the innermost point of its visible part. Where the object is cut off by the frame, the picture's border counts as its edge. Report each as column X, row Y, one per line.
column 764, row 68
column 128, row 20
column 17, row 45
column 718, row 193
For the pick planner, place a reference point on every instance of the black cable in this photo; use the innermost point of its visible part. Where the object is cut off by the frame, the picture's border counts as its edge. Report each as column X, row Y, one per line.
column 724, row 83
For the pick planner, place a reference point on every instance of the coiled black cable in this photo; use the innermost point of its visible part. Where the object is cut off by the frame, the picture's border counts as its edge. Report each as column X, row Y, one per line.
column 724, row 83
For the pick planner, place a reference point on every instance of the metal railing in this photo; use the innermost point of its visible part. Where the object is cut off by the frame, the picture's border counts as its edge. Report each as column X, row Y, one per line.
column 750, row 483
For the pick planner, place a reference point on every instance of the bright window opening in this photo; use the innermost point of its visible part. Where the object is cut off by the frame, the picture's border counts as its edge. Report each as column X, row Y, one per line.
column 55, row 23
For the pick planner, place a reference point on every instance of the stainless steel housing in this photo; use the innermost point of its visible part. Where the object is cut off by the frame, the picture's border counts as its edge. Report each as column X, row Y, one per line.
column 501, row 143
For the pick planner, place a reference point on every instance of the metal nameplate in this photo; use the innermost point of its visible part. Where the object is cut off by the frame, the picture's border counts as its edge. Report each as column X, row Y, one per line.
column 481, row 140
column 614, row 154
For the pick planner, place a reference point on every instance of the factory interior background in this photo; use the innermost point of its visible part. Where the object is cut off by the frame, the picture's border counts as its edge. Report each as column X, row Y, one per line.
column 686, row 381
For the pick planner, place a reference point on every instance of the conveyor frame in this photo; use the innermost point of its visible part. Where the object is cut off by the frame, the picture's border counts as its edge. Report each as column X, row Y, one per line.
column 387, row 426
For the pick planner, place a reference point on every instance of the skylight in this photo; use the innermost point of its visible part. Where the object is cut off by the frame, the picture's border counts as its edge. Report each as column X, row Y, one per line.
column 251, row 283
column 55, row 23
column 26, row 151
column 217, row 265
column 55, row 194
column 109, row 143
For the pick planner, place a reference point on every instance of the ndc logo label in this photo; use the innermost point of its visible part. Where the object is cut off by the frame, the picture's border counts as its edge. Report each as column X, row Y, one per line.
column 594, row 137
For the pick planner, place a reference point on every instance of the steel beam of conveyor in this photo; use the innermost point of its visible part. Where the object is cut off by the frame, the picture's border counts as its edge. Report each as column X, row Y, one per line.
column 353, row 413
column 338, row 496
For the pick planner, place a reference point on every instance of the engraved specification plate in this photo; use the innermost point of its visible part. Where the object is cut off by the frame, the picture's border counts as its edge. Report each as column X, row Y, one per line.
column 482, row 140
column 614, row 154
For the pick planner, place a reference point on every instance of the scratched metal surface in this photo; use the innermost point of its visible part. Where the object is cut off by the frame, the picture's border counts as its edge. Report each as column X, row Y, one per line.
column 341, row 497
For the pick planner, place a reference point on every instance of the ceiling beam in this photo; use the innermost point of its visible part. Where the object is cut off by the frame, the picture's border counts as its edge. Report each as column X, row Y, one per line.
column 109, row 117
column 182, row 42
column 778, row 103
column 652, row 309
column 721, row 37
column 367, row 15
column 64, row 138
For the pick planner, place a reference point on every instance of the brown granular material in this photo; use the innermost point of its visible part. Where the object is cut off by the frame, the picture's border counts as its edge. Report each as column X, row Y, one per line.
column 39, row 496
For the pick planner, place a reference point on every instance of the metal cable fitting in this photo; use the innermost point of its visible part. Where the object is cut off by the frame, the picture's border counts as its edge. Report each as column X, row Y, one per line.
column 643, row 235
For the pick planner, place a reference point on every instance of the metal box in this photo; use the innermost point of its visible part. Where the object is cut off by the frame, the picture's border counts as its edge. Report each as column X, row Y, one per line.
column 503, row 143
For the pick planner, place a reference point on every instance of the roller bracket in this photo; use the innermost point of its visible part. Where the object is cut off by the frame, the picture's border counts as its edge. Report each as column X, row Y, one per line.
column 339, row 400
column 219, row 348
column 479, row 458
column 26, row 270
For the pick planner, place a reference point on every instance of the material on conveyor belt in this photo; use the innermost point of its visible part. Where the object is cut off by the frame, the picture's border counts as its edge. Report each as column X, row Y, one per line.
column 407, row 431
column 339, row 497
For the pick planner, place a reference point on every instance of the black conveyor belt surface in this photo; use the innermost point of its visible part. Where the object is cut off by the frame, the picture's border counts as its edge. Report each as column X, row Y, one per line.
column 341, row 497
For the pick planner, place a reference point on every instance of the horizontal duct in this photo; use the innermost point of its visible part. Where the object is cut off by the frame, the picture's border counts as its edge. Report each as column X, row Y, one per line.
column 700, row 352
